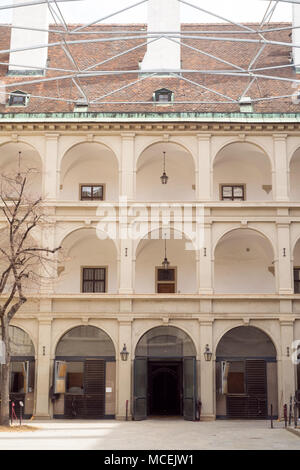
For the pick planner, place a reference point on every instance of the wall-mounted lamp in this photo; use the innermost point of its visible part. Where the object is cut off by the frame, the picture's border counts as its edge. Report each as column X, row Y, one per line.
column 207, row 354
column 124, row 353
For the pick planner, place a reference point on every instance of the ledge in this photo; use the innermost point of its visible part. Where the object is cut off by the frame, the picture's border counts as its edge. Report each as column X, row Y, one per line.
column 152, row 297
column 205, row 204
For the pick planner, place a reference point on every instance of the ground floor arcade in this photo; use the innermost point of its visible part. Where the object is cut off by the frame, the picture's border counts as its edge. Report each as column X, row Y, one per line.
column 67, row 368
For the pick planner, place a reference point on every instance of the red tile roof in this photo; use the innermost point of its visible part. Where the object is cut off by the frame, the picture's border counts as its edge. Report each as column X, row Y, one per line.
column 90, row 53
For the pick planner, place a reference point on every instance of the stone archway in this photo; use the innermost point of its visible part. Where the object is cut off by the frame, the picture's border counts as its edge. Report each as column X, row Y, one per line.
column 165, row 374
column 242, row 171
column 179, row 167
column 246, row 374
column 84, row 374
column 22, row 371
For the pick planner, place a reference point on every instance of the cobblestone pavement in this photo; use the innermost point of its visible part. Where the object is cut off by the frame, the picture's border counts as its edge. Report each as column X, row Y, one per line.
column 153, row 434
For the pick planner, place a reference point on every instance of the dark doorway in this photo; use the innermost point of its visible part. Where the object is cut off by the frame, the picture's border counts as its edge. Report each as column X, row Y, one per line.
column 165, row 388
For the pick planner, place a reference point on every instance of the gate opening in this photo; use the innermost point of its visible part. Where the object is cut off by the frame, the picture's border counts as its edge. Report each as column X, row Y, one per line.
column 165, row 388
column 165, row 375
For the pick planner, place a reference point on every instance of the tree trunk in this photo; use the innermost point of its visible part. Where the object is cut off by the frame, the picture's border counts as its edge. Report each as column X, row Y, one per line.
column 5, row 375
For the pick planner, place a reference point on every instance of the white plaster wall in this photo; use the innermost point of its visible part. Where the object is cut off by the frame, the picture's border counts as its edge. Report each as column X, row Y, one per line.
column 89, row 163
column 84, row 249
column 243, row 163
column 179, row 168
column 237, row 270
column 151, row 254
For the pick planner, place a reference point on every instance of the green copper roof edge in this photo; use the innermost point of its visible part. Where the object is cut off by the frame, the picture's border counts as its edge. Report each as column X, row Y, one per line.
column 154, row 117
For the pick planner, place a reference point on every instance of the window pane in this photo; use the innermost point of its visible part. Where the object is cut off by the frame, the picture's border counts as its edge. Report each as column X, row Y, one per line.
column 165, row 341
column 227, row 191
column 86, row 192
column 99, row 274
column 163, row 98
column 88, row 274
column 98, row 192
column 74, row 381
column 85, row 341
column 166, row 275
column 88, row 286
column 297, row 274
column 238, row 191
column 20, row 342
column 99, row 286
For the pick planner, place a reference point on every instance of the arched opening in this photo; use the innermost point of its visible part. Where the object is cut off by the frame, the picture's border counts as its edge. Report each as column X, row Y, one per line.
column 165, row 374
column 89, row 172
column 244, row 264
column 298, row 378
column 89, row 265
column 295, row 176
column 152, row 277
column 84, row 375
column 179, row 167
column 296, row 268
column 242, row 172
column 22, row 371
column 246, row 374
column 21, row 158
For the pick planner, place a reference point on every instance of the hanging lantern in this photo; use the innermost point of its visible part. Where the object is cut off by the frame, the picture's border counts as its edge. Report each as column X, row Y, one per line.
column 19, row 177
column 164, row 178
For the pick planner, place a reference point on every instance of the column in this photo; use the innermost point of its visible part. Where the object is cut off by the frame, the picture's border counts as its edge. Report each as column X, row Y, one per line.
column 205, row 284
column 124, row 370
column 284, row 271
column 43, row 370
column 207, row 369
column 281, row 168
column 127, row 166
column 204, row 183
column 48, row 265
column 50, row 167
column 286, row 369
column 126, row 267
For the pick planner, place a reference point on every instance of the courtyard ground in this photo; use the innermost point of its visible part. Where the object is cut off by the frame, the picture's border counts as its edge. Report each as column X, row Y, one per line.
column 153, row 434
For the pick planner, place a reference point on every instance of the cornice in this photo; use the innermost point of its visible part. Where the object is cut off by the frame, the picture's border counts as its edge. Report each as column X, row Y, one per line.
column 130, row 128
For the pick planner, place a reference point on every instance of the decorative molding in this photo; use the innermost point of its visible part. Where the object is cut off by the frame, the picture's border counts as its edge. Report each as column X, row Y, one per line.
column 128, row 129
column 267, row 188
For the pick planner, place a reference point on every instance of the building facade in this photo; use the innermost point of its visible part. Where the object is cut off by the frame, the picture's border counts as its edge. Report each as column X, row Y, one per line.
column 228, row 223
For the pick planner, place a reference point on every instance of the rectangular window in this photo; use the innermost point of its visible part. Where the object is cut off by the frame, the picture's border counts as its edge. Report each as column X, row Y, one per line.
column 236, row 378
column 297, row 280
column 75, row 378
column 166, row 281
column 91, row 192
column 18, row 99
column 232, row 192
column 94, row 280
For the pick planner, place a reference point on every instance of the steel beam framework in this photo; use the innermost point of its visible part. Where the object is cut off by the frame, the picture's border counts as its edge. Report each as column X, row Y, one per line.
column 77, row 75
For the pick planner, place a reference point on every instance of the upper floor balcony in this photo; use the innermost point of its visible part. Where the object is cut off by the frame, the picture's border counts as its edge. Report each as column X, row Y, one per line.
column 217, row 170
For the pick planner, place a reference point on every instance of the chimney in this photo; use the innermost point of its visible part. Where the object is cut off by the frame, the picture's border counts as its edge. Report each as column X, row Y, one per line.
column 296, row 36
column 162, row 55
column 30, row 61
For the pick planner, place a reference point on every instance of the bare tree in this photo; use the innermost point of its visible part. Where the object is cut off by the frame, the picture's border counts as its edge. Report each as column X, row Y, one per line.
column 23, row 261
